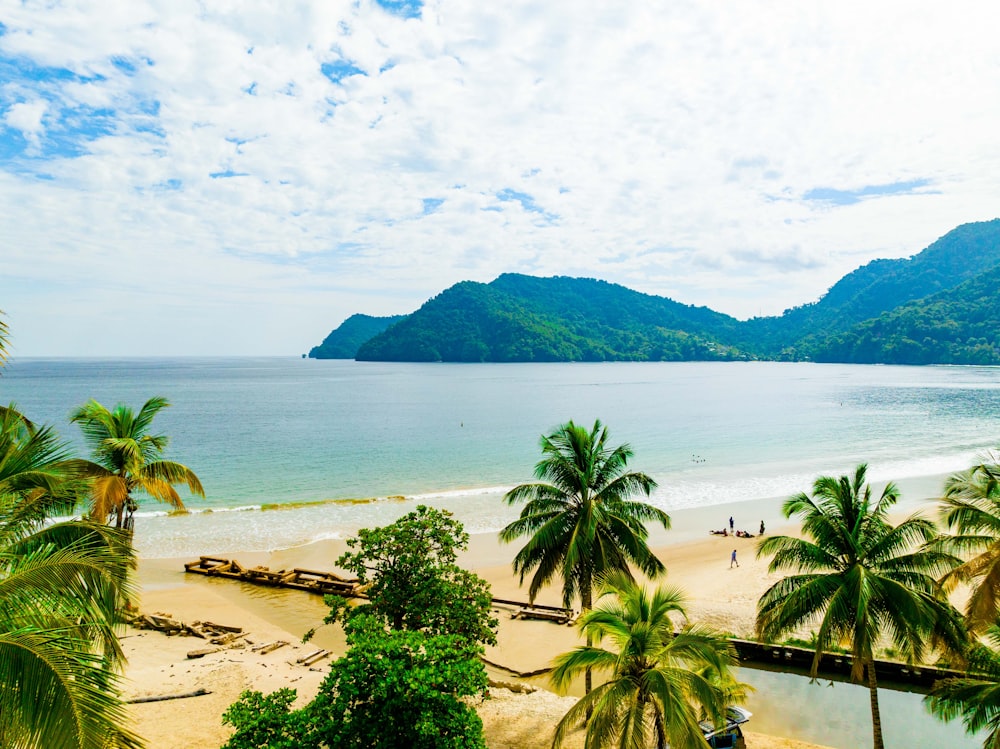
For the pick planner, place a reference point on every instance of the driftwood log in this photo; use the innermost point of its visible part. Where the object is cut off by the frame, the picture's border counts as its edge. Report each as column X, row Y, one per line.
column 162, row 698
column 269, row 647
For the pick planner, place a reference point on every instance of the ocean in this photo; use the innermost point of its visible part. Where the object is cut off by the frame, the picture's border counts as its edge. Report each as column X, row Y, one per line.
column 296, row 450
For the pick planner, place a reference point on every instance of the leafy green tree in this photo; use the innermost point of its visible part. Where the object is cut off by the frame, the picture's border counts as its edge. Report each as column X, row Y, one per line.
column 127, row 459
column 267, row 722
column 413, row 580
column 393, row 688
column 397, row 688
column 859, row 577
column 581, row 518
column 413, row 651
column 976, row 697
column 660, row 683
column 62, row 588
column 971, row 507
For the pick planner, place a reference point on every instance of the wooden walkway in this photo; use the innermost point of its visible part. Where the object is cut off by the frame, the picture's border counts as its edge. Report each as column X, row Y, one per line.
column 327, row 583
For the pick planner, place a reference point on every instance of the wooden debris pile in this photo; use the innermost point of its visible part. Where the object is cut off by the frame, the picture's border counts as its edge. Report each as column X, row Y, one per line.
column 513, row 686
column 312, row 581
column 327, row 583
column 217, row 634
column 221, row 636
column 556, row 614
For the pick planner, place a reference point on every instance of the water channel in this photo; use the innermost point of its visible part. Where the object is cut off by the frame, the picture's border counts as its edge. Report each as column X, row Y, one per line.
column 838, row 715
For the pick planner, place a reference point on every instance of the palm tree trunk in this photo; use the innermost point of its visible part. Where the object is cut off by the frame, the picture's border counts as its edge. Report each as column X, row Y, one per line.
column 586, row 601
column 876, row 716
column 659, row 727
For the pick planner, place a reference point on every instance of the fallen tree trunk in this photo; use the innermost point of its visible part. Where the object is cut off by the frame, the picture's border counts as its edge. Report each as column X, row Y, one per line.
column 163, row 698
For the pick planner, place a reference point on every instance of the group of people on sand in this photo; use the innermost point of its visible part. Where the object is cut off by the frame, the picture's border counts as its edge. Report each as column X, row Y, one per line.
column 739, row 534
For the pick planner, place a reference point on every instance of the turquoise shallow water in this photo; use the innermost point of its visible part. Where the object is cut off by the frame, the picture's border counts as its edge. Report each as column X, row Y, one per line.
column 335, row 442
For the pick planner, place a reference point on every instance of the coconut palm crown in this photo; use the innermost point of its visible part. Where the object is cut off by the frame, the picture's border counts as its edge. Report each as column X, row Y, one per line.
column 580, row 517
column 974, row 697
column 659, row 683
column 62, row 588
column 858, row 578
column 127, row 459
column 971, row 507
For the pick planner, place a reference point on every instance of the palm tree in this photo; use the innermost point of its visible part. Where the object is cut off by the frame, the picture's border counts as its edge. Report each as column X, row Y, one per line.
column 62, row 588
column 660, row 683
column 971, row 507
column 859, row 577
column 582, row 523
column 128, row 460
column 976, row 697
column 4, row 332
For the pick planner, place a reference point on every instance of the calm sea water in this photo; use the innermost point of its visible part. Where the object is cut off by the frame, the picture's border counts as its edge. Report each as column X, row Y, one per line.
column 293, row 450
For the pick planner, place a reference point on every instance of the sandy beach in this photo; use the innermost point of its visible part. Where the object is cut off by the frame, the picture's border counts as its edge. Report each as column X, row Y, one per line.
column 697, row 562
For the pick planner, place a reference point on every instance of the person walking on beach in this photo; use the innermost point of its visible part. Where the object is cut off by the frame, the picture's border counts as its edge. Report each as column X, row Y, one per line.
column 762, row 527
column 730, row 523
column 732, row 560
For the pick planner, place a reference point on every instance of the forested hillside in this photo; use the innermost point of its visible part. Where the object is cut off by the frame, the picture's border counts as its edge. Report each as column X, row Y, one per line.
column 879, row 286
column 958, row 326
column 521, row 318
column 938, row 306
column 343, row 343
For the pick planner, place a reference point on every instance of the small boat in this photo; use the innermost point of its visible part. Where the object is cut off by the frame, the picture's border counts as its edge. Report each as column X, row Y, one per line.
column 728, row 736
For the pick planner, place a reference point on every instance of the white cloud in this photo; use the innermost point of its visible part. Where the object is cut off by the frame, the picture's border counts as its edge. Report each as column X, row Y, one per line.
column 26, row 117
column 669, row 148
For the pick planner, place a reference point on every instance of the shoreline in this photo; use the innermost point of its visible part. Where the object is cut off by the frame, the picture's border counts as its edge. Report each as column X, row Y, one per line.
column 697, row 562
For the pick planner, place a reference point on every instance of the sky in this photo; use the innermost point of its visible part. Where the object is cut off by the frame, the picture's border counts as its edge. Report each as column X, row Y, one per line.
column 237, row 178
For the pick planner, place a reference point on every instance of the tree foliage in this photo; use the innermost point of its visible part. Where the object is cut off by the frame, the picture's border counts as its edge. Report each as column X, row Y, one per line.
column 128, row 459
column 413, row 651
column 580, row 518
column 971, row 507
column 660, row 684
column 413, row 580
column 859, row 578
column 267, row 722
column 397, row 688
column 63, row 586
column 975, row 698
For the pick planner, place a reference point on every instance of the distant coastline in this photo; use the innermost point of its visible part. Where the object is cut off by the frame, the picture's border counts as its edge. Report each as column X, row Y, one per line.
column 937, row 307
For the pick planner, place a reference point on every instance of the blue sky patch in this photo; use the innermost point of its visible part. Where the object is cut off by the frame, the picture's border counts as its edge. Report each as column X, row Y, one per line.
column 227, row 173
column 508, row 195
column 68, row 127
column 125, row 65
column 22, row 69
column 66, row 133
column 339, row 70
column 431, row 205
column 402, row 8
column 850, row 197
column 527, row 202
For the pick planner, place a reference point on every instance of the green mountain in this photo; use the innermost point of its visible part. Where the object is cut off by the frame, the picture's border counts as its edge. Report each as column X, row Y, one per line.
column 958, row 326
column 878, row 287
column 522, row 318
column 938, row 306
column 344, row 342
